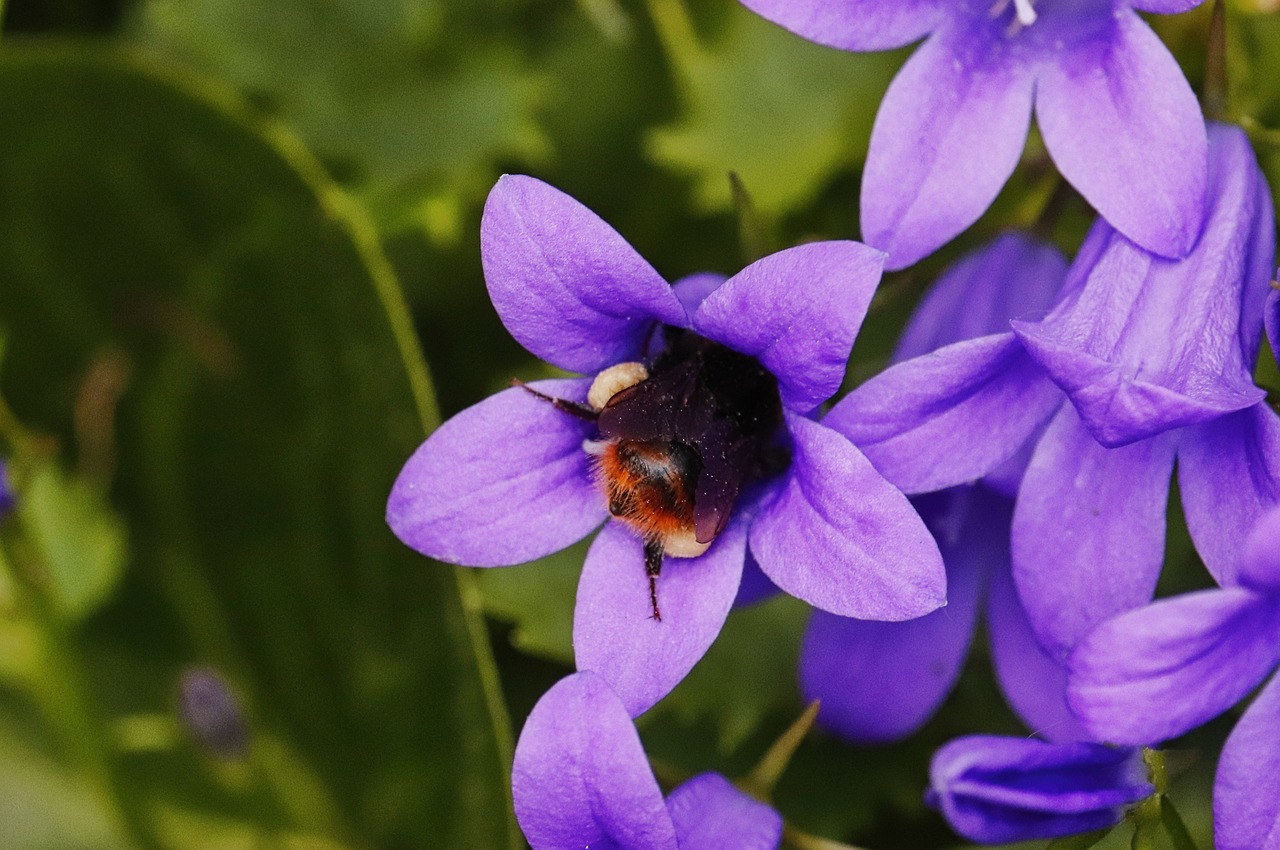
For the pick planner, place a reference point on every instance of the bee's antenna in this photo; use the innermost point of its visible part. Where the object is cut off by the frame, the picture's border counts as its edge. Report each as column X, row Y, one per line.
column 652, row 567
column 572, row 408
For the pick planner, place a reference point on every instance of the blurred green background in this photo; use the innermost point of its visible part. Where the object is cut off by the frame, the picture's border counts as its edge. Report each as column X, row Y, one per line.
column 233, row 236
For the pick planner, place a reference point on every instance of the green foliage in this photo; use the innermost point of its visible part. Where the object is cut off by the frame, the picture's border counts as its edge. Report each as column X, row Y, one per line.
column 411, row 100
column 79, row 538
column 269, row 404
column 782, row 113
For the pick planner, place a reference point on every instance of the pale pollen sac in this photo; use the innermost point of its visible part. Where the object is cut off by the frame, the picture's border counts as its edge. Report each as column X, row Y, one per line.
column 614, row 380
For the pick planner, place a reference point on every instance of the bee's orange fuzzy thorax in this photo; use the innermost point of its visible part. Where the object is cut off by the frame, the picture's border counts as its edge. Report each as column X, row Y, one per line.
column 649, row 486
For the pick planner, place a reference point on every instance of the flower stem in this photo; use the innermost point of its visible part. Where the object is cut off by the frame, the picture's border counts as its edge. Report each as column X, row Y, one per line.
column 1215, row 65
column 800, row 840
column 765, row 775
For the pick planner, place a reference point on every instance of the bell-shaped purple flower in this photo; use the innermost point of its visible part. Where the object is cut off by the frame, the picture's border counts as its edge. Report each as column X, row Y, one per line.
column 881, row 681
column 581, row 779
column 995, row 790
column 1151, row 674
column 695, row 434
column 1154, row 357
column 1114, row 109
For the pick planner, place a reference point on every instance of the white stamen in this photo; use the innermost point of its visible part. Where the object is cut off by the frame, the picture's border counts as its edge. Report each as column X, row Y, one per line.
column 1026, row 12
column 614, row 380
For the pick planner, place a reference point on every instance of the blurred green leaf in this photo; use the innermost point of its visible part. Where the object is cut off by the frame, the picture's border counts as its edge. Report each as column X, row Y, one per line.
column 276, row 391
column 748, row 674
column 81, row 540
column 412, row 100
column 41, row 806
column 1079, row 842
column 537, row 599
column 781, row 112
column 1179, row 835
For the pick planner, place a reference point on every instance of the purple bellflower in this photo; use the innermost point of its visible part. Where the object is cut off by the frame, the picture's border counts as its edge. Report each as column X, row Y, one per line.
column 581, row 779
column 881, row 681
column 1116, row 113
column 1155, row 358
column 995, row 790
column 695, row 435
column 1151, row 674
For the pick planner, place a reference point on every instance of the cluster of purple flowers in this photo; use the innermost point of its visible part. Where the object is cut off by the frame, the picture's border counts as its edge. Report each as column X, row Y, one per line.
column 1034, row 415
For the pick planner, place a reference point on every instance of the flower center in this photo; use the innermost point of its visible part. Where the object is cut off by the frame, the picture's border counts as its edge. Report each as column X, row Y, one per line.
column 1024, row 13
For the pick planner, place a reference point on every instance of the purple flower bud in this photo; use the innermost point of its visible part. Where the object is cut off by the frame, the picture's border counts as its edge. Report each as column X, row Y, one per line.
column 995, row 790
column 8, row 498
column 212, row 714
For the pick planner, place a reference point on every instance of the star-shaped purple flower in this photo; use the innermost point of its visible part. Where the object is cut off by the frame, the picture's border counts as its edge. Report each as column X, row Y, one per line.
column 995, row 790
column 695, row 434
column 1155, row 357
column 581, row 779
column 881, row 681
column 1114, row 109
column 1149, row 675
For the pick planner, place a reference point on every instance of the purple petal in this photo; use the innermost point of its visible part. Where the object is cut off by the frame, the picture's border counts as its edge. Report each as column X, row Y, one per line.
column 710, row 814
column 797, row 312
column 1014, row 277
column 1088, row 530
column 1150, row 675
column 842, row 538
column 503, row 482
column 693, row 289
column 1229, row 474
column 994, row 790
column 1246, row 794
column 581, row 778
column 880, row 682
column 1146, row 345
column 853, row 24
column 1259, row 275
column 1260, row 564
column 755, row 586
column 1165, row 7
column 949, row 417
column 1124, row 127
column 614, row 632
column 948, row 135
column 566, row 285
column 1034, row 684
column 1272, row 319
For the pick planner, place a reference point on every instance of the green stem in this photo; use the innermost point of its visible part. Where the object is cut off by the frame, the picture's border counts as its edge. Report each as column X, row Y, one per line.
column 1215, row 65
column 800, row 840
column 762, row 779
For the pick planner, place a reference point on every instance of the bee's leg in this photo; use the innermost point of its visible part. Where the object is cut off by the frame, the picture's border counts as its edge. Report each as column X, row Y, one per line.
column 652, row 567
column 572, row 408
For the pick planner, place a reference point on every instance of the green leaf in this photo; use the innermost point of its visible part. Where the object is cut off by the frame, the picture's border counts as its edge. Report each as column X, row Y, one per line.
column 413, row 100
column 1079, row 842
column 1174, row 826
column 781, row 112
column 276, row 391
column 80, row 539
column 748, row 674
column 41, row 806
column 537, row 599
